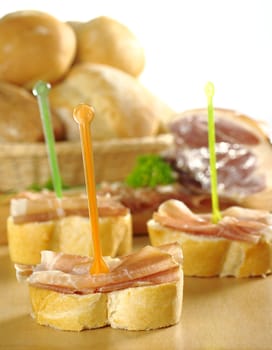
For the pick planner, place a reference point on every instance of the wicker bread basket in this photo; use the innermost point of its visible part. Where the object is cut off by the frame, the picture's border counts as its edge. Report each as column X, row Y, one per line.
column 23, row 165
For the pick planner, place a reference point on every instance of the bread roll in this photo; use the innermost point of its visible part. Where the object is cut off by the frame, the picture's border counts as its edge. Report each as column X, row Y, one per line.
column 20, row 118
column 34, row 46
column 123, row 107
column 120, row 299
column 207, row 255
column 107, row 41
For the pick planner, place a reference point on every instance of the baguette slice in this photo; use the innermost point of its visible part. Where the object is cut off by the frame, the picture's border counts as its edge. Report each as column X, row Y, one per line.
column 129, row 296
column 229, row 248
column 68, row 231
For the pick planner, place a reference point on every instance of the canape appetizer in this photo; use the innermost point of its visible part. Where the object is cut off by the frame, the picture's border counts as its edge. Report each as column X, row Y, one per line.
column 141, row 291
column 41, row 221
column 239, row 245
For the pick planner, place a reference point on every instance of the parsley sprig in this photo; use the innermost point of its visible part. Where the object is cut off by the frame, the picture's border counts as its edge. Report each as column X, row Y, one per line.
column 150, row 171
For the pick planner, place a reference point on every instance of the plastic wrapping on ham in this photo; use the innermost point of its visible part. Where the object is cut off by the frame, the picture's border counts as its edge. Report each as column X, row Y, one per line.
column 243, row 152
column 70, row 273
column 237, row 169
column 248, row 225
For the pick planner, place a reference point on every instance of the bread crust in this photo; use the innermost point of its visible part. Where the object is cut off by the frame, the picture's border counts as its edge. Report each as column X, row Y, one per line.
column 20, row 118
column 139, row 308
column 25, row 242
column 40, row 47
column 214, row 256
column 107, row 41
column 71, row 312
column 70, row 235
column 145, row 308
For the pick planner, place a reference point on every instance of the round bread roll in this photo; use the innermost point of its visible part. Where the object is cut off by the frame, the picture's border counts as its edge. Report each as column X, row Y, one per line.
column 124, row 108
column 105, row 40
column 34, row 46
column 20, row 118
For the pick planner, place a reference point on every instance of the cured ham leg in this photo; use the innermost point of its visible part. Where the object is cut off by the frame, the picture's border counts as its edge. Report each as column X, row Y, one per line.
column 244, row 155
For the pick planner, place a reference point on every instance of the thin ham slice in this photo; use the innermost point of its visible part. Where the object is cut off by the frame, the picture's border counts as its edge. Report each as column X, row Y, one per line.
column 240, row 224
column 70, row 273
column 44, row 206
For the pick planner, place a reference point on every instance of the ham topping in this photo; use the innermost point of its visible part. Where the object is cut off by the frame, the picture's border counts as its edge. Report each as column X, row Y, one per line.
column 70, row 273
column 237, row 223
column 44, row 206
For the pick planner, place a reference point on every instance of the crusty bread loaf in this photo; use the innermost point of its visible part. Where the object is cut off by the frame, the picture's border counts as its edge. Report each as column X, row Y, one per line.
column 20, row 118
column 207, row 255
column 34, row 46
column 124, row 108
column 70, row 235
column 107, row 41
column 140, row 308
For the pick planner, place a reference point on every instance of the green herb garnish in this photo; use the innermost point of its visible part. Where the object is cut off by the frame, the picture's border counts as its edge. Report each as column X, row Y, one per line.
column 150, row 171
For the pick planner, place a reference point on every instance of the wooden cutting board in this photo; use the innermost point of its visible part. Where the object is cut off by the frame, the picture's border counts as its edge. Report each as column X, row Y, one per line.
column 225, row 314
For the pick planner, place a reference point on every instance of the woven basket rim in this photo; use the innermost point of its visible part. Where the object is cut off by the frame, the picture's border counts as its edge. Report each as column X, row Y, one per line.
column 10, row 150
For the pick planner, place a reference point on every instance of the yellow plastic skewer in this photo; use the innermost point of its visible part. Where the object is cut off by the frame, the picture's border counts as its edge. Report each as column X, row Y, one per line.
column 216, row 215
column 83, row 115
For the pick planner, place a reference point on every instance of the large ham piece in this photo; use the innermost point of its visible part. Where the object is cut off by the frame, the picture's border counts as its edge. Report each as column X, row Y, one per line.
column 243, row 150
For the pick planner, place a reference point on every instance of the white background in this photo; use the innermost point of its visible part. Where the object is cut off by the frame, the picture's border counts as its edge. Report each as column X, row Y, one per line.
column 188, row 43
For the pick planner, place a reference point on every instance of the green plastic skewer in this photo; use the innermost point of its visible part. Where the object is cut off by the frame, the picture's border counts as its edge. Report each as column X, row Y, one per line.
column 41, row 91
column 216, row 215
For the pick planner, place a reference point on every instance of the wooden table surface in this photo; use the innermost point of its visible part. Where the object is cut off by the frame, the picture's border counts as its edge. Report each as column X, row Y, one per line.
column 224, row 313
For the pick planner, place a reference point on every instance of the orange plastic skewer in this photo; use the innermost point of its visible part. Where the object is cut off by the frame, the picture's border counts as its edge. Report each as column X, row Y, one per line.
column 83, row 115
